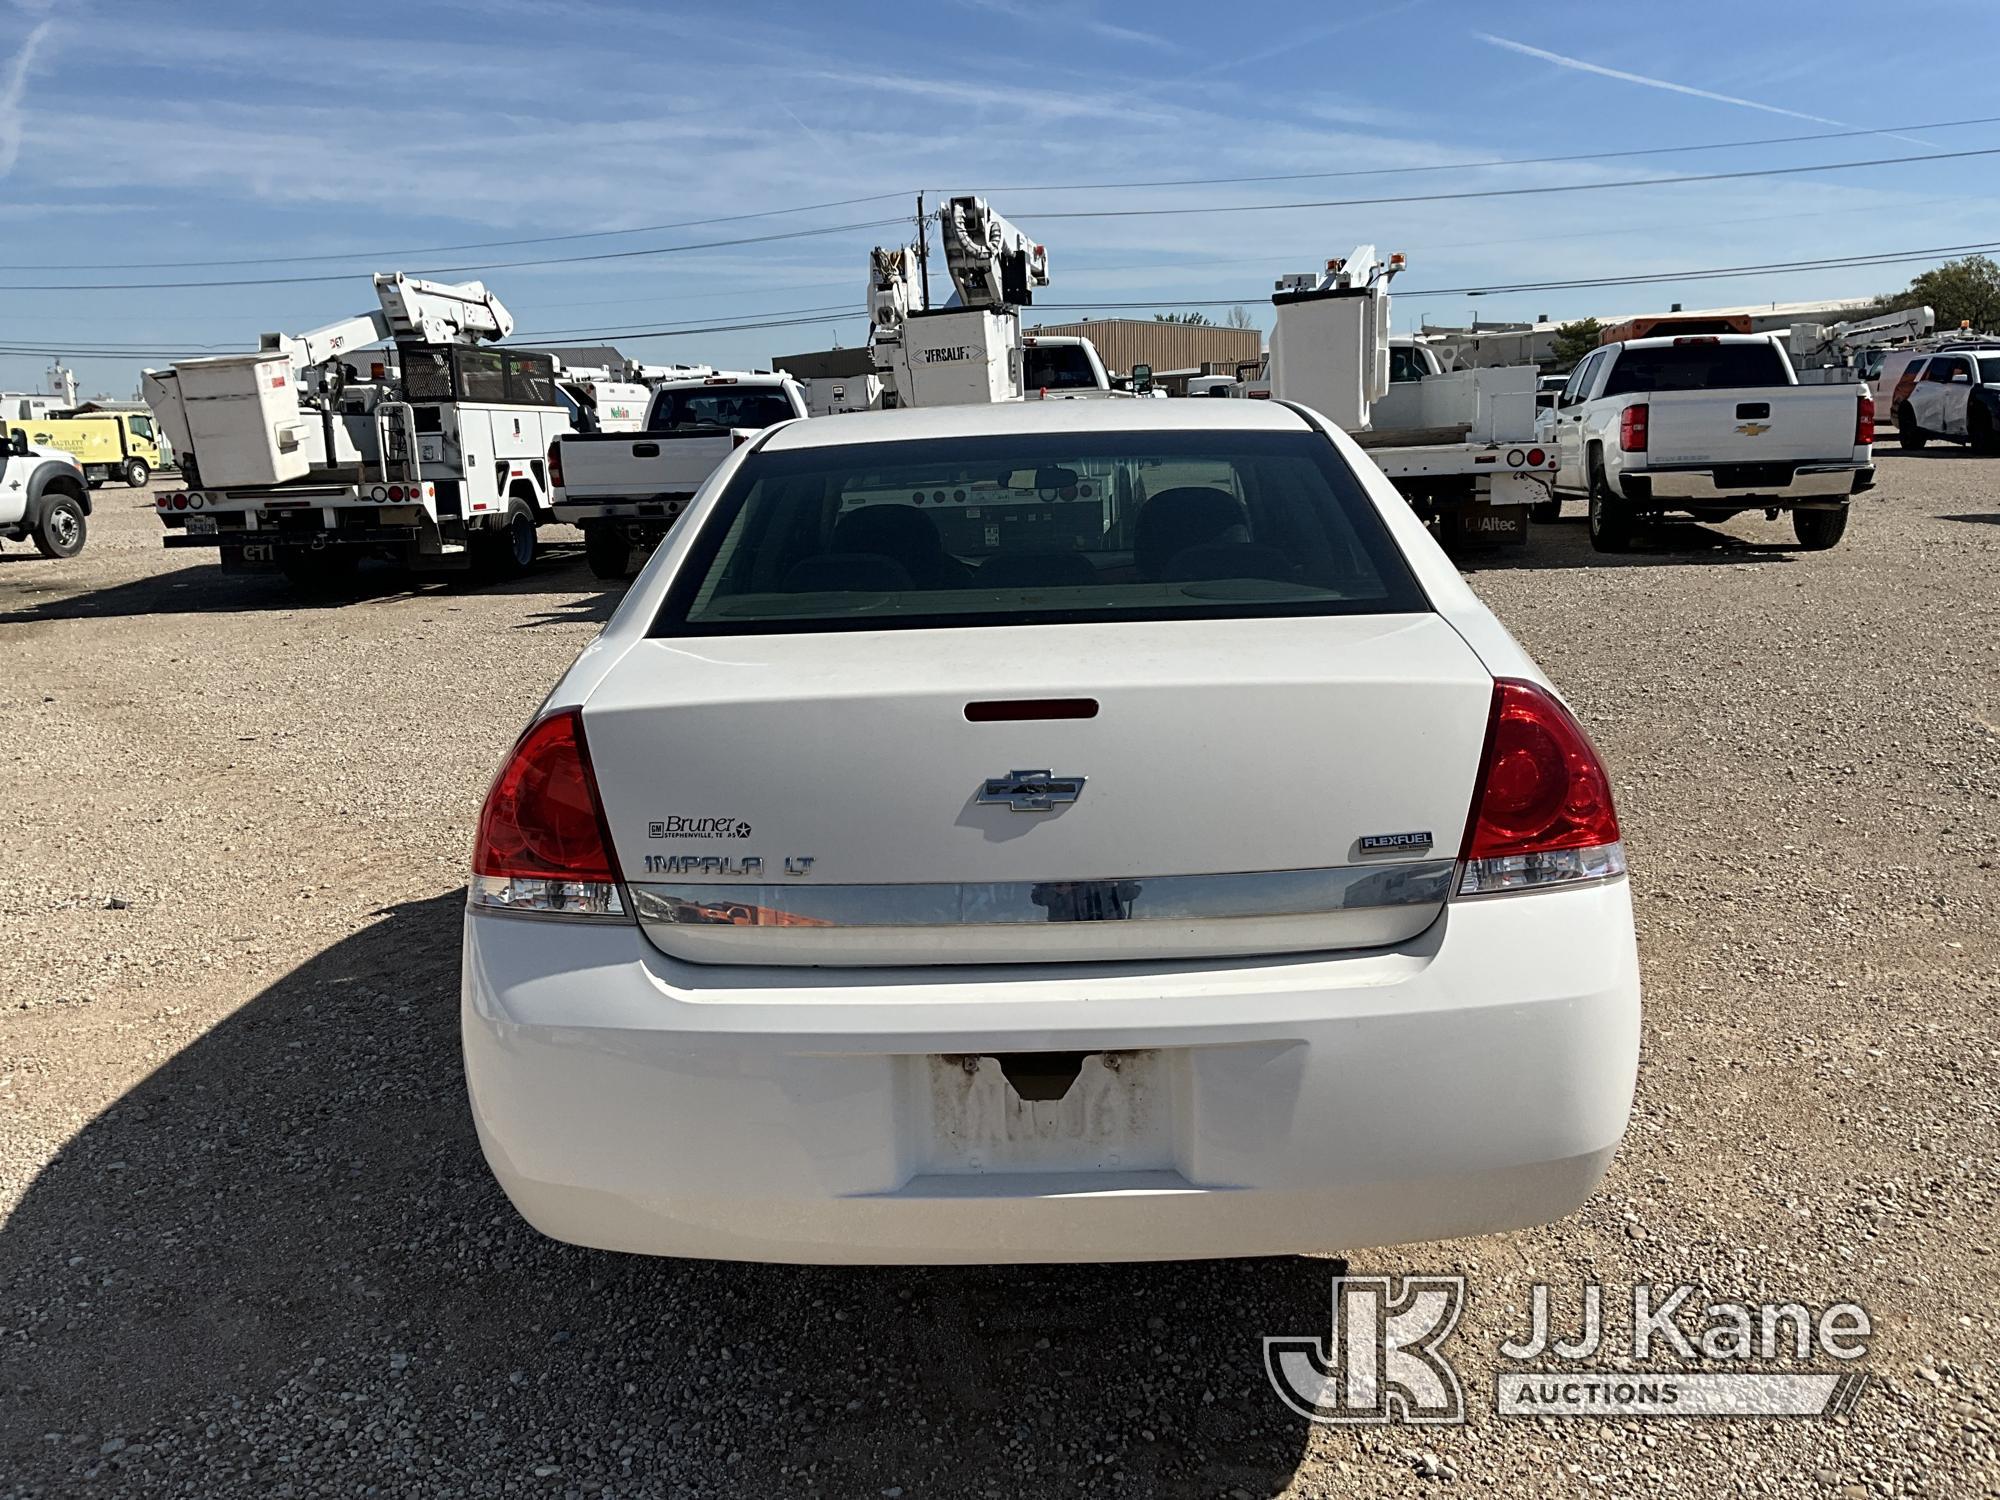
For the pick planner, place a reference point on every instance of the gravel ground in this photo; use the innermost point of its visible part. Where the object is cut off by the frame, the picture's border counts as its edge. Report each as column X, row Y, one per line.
column 249, row 1246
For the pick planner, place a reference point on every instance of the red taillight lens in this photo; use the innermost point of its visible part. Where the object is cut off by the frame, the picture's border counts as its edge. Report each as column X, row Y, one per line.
column 395, row 492
column 1541, row 811
column 543, row 843
column 1536, row 458
column 1864, row 423
column 181, row 501
column 1632, row 428
column 555, row 462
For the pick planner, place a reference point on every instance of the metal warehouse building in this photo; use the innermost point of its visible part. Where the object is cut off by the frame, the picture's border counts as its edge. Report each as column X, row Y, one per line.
column 1186, row 348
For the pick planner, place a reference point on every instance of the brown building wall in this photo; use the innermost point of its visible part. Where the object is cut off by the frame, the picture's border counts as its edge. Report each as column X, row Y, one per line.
column 1124, row 342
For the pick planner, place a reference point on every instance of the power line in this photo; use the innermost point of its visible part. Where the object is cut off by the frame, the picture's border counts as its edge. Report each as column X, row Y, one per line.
column 805, row 317
column 498, row 265
column 542, row 336
column 1467, row 166
column 377, row 255
column 1712, row 273
column 367, row 255
column 1518, row 192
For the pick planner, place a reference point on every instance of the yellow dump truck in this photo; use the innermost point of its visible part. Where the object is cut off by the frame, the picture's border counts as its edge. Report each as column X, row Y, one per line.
column 109, row 444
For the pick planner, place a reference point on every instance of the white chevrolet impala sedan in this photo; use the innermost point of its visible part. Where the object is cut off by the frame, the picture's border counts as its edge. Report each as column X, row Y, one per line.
column 1058, row 831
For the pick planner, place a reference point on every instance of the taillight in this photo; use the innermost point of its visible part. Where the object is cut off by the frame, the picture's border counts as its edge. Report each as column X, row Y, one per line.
column 181, row 501
column 555, row 462
column 543, row 844
column 1541, row 809
column 1536, row 458
column 395, row 492
column 1632, row 428
column 1864, row 422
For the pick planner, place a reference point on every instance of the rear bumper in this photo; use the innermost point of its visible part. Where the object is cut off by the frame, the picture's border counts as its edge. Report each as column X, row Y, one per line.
column 664, row 509
column 1477, row 1078
column 313, row 538
column 1807, row 482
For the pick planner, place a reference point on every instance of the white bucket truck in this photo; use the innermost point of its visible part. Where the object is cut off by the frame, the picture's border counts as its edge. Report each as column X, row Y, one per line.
column 312, row 451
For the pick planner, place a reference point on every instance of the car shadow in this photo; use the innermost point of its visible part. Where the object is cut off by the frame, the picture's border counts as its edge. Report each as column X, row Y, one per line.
column 204, row 588
column 1985, row 518
column 289, row 1223
column 1566, row 544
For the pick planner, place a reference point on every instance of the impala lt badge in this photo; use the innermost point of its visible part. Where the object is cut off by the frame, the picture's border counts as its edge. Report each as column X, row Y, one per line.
column 1030, row 791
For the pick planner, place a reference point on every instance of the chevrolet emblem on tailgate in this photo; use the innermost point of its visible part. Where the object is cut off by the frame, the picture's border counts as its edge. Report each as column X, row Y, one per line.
column 1754, row 429
column 1030, row 791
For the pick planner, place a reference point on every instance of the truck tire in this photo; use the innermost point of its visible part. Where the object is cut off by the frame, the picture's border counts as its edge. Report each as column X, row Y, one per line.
column 608, row 550
column 1909, row 436
column 62, row 530
column 1979, row 431
column 508, row 550
column 137, row 472
column 1818, row 530
column 1611, row 523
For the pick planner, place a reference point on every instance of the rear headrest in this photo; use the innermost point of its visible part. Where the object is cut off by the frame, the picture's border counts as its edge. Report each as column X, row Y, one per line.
column 1177, row 519
column 899, row 531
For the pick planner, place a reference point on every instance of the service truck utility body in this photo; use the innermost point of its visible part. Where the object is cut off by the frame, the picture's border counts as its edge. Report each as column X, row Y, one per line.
column 1459, row 446
column 625, row 490
column 1710, row 425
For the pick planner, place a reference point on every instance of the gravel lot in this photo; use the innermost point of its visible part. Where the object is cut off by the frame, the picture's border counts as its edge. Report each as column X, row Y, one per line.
column 249, row 1246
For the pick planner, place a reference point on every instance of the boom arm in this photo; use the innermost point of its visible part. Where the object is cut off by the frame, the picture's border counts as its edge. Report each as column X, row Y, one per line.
column 992, row 264
column 412, row 311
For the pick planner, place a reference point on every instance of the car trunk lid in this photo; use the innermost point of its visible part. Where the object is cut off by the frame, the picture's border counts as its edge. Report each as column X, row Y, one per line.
column 1169, row 789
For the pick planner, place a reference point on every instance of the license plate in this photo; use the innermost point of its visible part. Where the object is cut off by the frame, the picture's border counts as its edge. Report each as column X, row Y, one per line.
column 1049, row 1112
column 201, row 525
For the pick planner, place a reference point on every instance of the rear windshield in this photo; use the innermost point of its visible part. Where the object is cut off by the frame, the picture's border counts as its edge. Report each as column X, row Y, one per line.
column 1696, row 367
column 718, row 408
column 1057, row 367
column 1039, row 529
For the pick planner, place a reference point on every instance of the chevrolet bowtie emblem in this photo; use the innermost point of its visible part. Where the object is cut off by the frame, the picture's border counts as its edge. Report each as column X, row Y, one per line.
column 1754, row 429
column 1030, row 791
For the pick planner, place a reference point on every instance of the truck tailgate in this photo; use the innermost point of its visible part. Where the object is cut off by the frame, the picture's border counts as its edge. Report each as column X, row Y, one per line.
column 606, row 464
column 1762, row 424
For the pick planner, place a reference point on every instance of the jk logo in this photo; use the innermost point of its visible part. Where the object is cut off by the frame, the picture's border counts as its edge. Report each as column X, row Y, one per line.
column 1380, row 1361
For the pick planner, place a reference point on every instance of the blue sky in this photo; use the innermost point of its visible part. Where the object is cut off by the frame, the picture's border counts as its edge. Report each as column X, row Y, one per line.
column 360, row 132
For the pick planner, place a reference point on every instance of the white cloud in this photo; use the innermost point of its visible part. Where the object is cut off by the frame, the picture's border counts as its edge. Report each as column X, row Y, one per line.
column 13, row 93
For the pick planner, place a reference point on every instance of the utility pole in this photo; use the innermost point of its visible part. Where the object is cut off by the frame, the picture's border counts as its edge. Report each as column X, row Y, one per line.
column 924, row 249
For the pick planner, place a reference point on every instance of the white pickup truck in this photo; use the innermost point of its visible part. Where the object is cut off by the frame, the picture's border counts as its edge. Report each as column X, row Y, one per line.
column 626, row 489
column 1709, row 426
column 43, row 497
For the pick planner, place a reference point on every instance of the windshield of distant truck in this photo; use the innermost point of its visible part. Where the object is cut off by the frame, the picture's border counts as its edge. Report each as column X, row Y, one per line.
column 717, row 408
column 1058, row 367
